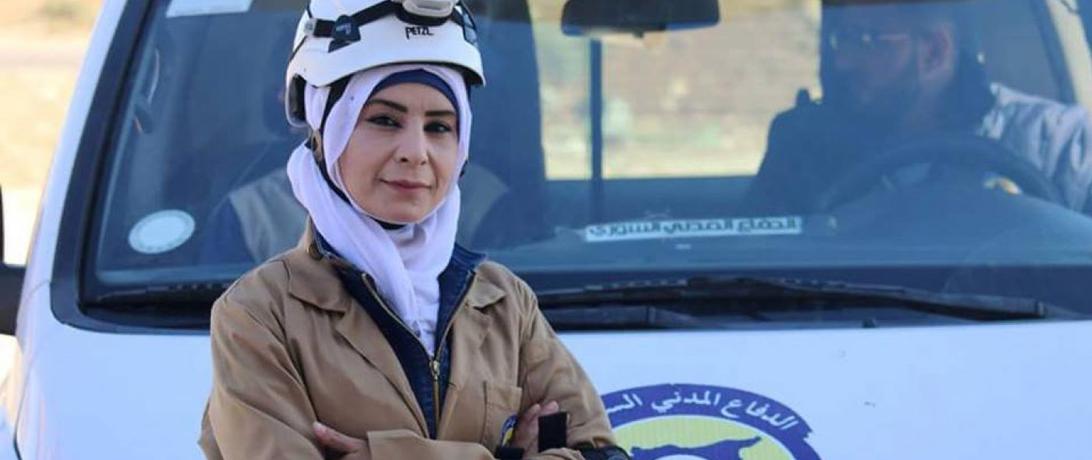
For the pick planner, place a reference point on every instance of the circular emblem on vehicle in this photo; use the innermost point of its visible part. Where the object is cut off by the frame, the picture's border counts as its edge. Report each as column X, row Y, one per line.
column 161, row 231
column 700, row 422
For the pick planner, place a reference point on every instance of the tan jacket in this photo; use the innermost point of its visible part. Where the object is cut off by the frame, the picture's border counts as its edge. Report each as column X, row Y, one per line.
column 291, row 346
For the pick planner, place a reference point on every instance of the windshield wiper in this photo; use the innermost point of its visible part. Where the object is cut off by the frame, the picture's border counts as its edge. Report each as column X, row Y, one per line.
column 174, row 306
column 196, row 293
column 754, row 290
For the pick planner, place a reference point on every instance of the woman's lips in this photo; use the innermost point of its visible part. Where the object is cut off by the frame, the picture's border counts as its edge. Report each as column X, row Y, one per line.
column 407, row 185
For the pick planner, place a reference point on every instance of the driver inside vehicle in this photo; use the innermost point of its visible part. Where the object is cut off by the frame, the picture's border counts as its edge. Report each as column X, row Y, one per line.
column 894, row 73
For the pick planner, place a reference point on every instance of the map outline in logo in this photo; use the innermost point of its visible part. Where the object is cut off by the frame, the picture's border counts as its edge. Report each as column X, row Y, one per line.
column 765, row 416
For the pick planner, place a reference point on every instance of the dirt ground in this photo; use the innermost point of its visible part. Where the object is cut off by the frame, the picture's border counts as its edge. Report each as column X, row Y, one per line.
column 42, row 43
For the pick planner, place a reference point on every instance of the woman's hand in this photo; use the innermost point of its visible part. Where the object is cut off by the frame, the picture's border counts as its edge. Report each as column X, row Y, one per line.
column 332, row 439
column 526, row 436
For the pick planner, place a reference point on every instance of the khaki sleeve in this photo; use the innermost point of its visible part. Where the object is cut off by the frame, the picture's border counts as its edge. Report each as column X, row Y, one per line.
column 548, row 372
column 259, row 406
column 407, row 445
column 557, row 454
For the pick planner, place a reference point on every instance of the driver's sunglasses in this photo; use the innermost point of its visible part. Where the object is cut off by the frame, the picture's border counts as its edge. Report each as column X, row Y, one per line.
column 853, row 40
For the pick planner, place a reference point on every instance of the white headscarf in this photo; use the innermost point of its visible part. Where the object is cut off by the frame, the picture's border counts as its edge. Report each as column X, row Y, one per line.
column 406, row 262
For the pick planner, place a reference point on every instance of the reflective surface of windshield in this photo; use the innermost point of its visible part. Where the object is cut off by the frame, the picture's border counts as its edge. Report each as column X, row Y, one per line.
column 944, row 147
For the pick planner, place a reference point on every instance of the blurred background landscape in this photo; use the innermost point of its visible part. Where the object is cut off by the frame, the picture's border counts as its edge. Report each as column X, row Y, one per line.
column 42, row 43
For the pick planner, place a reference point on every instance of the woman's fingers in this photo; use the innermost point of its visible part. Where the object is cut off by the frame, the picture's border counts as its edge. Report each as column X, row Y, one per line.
column 529, row 415
column 527, row 427
column 550, row 408
column 332, row 439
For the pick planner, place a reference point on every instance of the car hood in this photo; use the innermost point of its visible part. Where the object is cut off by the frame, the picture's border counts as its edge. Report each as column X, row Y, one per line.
column 993, row 391
column 983, row 391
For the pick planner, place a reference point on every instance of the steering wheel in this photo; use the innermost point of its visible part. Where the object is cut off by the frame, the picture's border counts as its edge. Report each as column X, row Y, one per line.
column 965, row 151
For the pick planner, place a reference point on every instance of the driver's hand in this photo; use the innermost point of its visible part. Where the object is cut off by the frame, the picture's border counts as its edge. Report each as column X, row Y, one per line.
column 1004, row 184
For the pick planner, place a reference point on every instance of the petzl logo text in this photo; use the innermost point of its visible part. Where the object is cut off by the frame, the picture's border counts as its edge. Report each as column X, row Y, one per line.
column 418, row 31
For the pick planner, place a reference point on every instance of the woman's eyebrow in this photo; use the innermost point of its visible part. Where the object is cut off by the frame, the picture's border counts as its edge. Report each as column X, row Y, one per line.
column 391, row 104
column 401, row 108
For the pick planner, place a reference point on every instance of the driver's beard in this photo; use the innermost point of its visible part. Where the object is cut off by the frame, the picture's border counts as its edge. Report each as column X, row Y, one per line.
column 888, row 110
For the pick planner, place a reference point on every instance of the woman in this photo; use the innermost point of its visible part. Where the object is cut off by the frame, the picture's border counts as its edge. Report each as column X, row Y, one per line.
column 378, row 337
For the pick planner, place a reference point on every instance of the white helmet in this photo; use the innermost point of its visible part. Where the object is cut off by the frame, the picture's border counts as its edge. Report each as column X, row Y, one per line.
column 337, row 38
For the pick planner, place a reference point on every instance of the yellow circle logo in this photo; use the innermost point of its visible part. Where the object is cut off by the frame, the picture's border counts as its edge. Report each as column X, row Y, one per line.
column 698, row 422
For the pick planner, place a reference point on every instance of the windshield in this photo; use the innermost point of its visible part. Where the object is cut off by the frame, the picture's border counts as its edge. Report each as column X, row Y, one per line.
column 943, row 146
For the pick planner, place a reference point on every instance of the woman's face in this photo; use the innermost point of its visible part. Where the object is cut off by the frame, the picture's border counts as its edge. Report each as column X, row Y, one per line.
column 401, row 156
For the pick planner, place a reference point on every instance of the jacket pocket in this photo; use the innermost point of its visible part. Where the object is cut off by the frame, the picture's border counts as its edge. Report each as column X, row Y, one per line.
column 502, row 406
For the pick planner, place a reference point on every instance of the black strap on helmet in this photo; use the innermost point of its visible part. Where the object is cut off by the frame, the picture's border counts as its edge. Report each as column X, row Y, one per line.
column 346, row 29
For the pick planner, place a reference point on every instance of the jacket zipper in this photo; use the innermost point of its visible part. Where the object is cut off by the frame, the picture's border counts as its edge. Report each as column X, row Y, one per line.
column 434, row 362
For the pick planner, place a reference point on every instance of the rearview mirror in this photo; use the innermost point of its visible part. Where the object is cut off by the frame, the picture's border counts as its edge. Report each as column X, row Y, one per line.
column 11, row 284
column 601, row 17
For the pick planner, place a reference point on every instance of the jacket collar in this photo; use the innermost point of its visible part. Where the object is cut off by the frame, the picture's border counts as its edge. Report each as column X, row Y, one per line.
column 312, row 276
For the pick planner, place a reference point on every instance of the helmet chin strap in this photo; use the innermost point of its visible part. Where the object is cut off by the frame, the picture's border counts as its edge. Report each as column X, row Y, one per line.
column 337, row 89
column 315, row 144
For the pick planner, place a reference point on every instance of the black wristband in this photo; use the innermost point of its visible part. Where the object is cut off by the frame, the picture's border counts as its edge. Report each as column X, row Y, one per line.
column 553, row 431
column 508, row 453
column 604, row 453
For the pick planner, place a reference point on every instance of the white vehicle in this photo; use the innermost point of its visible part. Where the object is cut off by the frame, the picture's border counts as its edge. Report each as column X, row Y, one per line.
column 944, row 314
